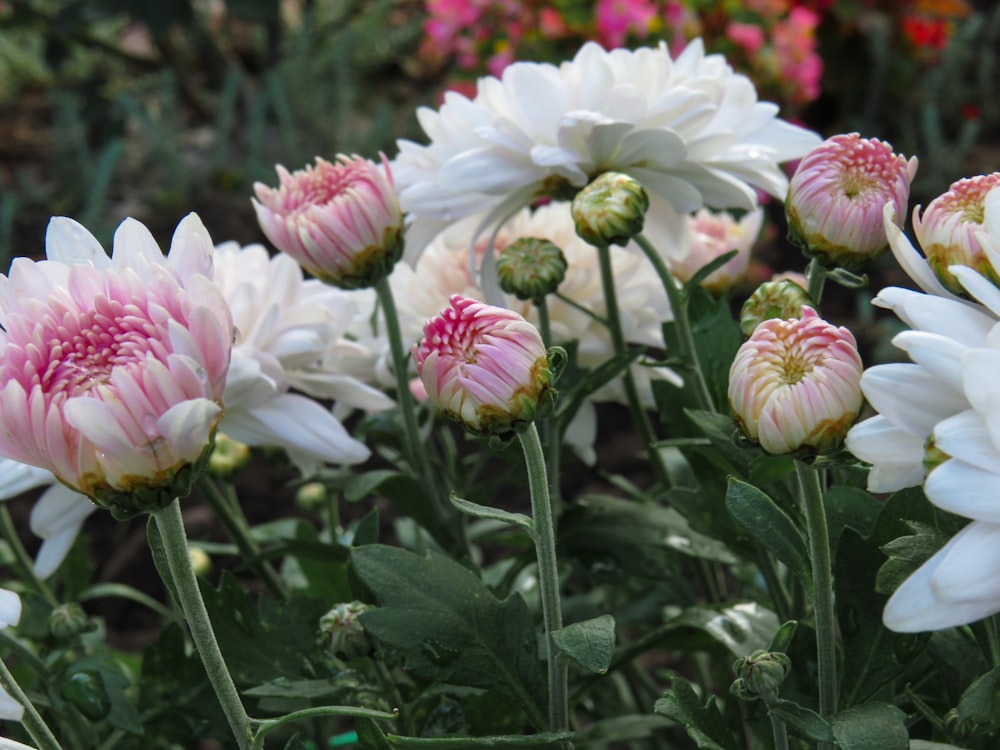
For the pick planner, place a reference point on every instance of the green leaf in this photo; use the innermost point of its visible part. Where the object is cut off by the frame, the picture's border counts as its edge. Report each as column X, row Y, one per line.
column 406, row 493
column 538, row 741
column 638, row 539
column 702, row 721
column 767, row 523
column 742, row 628
column 849, row 508
column 782, row 640
column 366, row 532
column 803, row 720
column 871, row 726
column 873, row 655
column 906, row 554
column 590, row 643
column 608, row 732
column 926, row 745
column 708, row 269
column 449, row 627
column 370, row 735
column 113, row 688
column 981, row 700
column 494, row 514
column 287, row 627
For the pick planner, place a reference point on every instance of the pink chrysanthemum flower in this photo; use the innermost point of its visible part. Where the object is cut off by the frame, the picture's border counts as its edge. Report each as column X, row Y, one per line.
column 341, row 221
column 113, row 368
column 835, row 198
column 484, row 366
column 947, row 231
column 713, row 234
column 796, row 383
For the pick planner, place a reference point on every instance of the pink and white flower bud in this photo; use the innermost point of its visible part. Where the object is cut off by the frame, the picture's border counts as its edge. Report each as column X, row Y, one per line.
column 113, row 368
column 713, row 234
column 484, row 366
column 836, row 196
column 947, row 231
column 796, row 383
column 340, row 221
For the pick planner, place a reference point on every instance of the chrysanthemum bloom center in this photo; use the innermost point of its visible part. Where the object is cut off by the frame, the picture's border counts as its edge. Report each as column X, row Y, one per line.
column 83, row 351
column 796, row 383
column 837, row 194
column 947, row 229
column 484, row 366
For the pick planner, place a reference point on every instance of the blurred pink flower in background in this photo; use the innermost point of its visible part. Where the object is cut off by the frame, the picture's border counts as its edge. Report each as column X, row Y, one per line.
column 617, row 19
column 713, row 234
column 749, row 36
column 794, row 42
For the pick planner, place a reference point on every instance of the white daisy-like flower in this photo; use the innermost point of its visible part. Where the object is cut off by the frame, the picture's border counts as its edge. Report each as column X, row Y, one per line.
column 292, row 349
column 690, row 129
column 10, row 614
column 941, row 411
column 443, row 269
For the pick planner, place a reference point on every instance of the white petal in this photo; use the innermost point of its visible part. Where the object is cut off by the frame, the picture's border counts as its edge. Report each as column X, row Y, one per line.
column 940, row 356
column 965, row 322
column 978, row 286
column 895, row 454
column 10, row 710
column 69, row 242
column 135, row 246
column 16, row 478
column 57, row 518
column 908, row 257
column 910, row 397
column 188, row 425
column 966, row 435
column 298, row 423
column 10, row 608
column 970, row 569
column 965, row 489
column 916, row 606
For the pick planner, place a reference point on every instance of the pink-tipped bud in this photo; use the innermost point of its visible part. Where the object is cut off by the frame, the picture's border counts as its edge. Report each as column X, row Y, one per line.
column 837, row 194
column 713, row 234
column 485, row 366
column 796, row 384
column 947, row 230
column 340, row 221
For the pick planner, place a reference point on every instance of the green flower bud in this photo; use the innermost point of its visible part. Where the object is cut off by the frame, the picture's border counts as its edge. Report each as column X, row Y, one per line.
column 611, row 210
column 68, row 620
column 531, row 268
column 228, row 457
column 773, row 299
column 341, row 632
column 312, row 496
column 760, row 673
column 201, row 563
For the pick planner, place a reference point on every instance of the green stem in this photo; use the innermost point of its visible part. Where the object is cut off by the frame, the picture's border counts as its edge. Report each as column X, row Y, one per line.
column 620, row 347
column 778, row 727
column 548, row 575
column 24, row 560
column 31, row 720
column 816, row 276
column 170, row 524
column 227, row 509
column 551, row 437
column 682, row 324
column 414, row 447
column 265, row 726
column 823, row 611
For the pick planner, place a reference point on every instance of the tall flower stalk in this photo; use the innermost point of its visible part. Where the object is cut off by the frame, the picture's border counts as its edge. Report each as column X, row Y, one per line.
column 170, row 527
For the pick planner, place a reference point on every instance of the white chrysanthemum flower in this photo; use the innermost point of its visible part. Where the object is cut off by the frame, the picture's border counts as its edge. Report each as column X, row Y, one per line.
column 940, row 412
column 291, row 340
column 574, row 315
column 689, row 129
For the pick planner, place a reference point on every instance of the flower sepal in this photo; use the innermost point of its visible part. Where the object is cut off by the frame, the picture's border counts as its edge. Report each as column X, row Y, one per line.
column 151, row 495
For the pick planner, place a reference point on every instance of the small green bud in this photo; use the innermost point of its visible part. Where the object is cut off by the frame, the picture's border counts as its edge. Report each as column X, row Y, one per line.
column 201, row 563
column 86, row 691
column 760, row 673
column 531, row 268
column 341, row 632
column 68, row 620
column 228, row 457
column 312, row 496
column 611, row 210
column 782, row 299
